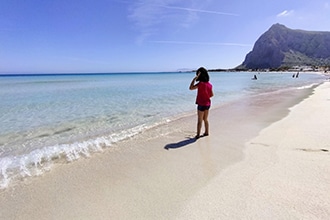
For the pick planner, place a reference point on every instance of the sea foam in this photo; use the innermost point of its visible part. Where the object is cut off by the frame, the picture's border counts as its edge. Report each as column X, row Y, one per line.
column 41, row 160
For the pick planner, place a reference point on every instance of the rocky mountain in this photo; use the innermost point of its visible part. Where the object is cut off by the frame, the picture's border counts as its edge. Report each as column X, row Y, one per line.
column 283, row 47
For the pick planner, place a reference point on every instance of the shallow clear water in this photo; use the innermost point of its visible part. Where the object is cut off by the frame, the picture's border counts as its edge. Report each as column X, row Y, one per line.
column 46, row 117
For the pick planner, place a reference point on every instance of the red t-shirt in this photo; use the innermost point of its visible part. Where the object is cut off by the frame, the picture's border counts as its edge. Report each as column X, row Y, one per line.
column 204, row 92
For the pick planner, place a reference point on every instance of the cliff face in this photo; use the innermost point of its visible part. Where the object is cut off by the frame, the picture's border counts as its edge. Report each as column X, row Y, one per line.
column 281, row 46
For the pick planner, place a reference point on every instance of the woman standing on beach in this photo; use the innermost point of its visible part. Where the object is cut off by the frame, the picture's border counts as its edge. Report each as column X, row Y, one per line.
column 203, row 99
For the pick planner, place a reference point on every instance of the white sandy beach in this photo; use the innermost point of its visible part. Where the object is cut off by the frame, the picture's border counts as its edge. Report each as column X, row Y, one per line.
column 284, row 175
column 254, row 165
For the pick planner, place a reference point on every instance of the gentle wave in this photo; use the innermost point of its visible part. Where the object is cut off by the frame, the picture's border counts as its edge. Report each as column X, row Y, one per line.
column 41, row 160
column 308, row 86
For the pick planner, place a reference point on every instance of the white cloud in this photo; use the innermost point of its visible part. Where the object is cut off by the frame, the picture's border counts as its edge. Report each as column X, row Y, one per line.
column 146, row 18
column 285, row 13
column 201, row 11
column 326, row 5
column 202, row 43
column 149, row 16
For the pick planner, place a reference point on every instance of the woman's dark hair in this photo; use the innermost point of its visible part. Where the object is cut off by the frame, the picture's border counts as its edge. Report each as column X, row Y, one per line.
column 204, row 76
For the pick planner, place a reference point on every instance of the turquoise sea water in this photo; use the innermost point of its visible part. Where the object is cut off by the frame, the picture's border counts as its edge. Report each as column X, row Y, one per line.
column 48, row 117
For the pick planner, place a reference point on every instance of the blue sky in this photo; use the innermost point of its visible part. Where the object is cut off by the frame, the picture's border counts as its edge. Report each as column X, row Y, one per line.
column 66, row 36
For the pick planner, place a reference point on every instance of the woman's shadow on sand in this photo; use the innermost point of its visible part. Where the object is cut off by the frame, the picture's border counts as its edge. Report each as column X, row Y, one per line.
column 180, row 143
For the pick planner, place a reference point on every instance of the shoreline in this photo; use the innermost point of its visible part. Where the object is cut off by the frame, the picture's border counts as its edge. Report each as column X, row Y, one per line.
column 139, row 178
column 72, row 148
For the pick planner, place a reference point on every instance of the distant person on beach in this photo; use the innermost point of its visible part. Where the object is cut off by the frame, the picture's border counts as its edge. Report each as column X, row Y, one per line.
column 254, row 77
column 203, row 99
